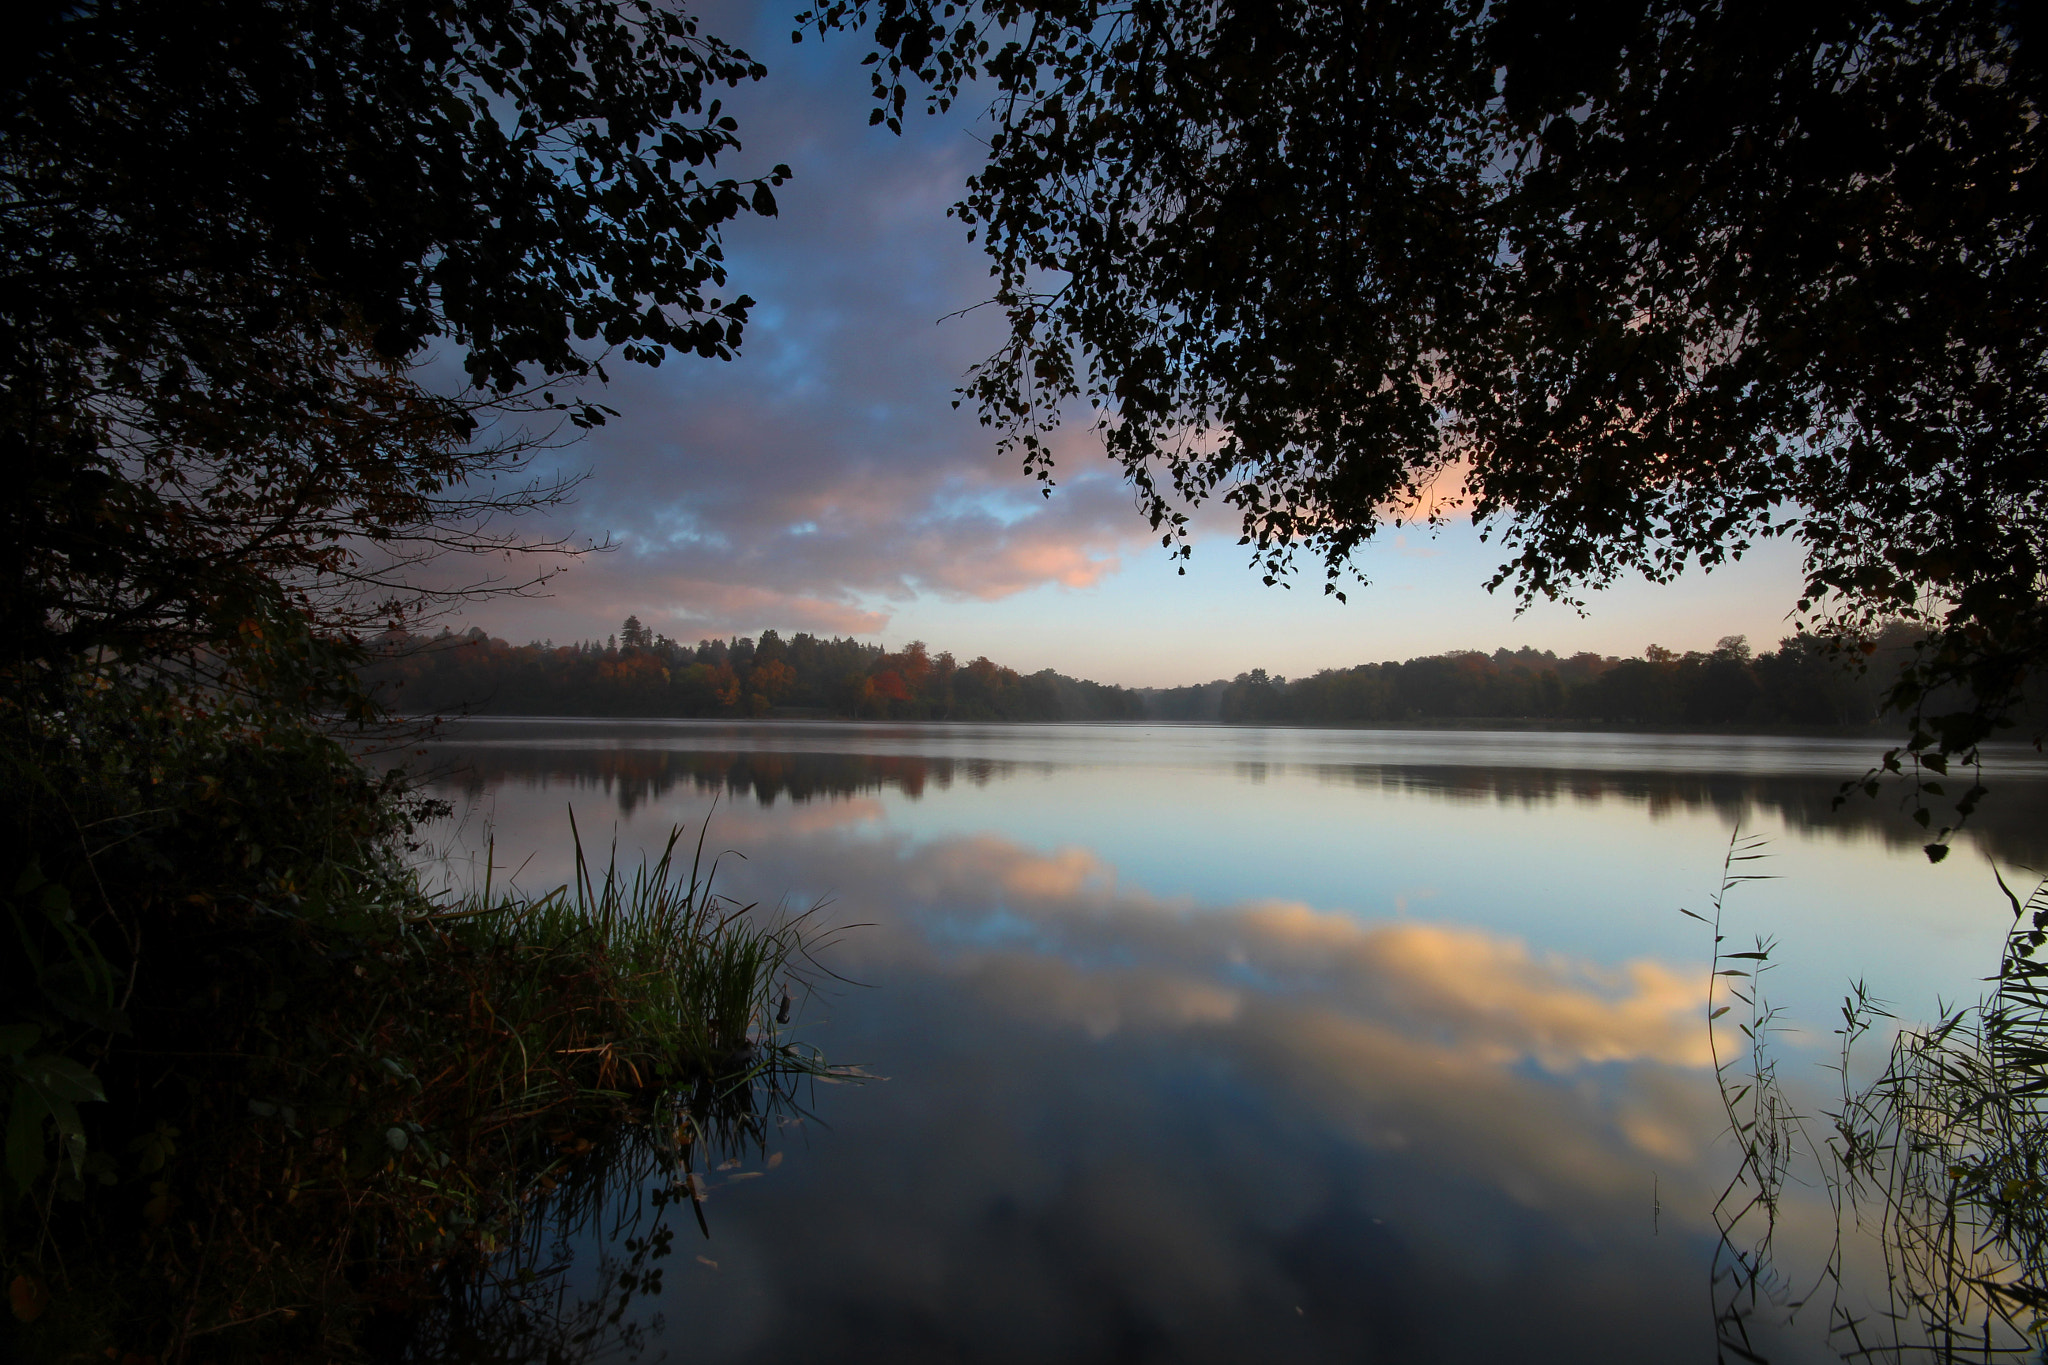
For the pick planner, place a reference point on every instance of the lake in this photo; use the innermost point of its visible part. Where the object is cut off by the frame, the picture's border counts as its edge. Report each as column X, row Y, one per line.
column 1228, row 1044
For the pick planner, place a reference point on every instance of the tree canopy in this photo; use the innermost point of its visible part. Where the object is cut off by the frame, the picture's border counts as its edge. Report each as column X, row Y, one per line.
column 1634, row 284
column 230, row 229
column 288, row 291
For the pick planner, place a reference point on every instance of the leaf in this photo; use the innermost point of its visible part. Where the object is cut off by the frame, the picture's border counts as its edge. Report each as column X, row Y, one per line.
column 28, row 1297
column 152, row 1150
column 61, row 1078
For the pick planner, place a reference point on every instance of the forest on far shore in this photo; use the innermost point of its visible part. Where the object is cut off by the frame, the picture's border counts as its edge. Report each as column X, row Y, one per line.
column 640, row 673
column 1803, row 684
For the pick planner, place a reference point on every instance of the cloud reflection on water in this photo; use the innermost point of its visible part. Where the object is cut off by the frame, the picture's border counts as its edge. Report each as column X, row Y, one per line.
column 1123, row 1125
column 1123, row 1128
column 1120, row 1128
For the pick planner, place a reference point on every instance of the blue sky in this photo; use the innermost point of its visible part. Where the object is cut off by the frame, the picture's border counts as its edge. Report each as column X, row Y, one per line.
column 824, row 482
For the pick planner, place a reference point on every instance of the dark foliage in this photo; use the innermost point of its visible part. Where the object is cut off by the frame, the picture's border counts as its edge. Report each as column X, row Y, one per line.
column 232, row 234
column 192, row 889
column 292, row 1096
column 227, row 228
column 1635, row 285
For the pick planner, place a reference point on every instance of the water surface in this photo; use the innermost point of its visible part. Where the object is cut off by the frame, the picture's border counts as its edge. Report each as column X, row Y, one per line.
column 1215, row 1044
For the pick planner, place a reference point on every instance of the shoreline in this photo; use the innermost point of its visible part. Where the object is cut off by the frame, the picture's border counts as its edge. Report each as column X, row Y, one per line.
column 1463, row 724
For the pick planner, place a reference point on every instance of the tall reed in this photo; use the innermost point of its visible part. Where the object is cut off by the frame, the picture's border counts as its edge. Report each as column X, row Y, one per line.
column 692, row 985
column 1941, row 1163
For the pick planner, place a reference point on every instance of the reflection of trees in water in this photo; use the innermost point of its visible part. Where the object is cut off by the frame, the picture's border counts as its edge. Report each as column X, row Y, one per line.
column 636, row 776
column 2012, row 825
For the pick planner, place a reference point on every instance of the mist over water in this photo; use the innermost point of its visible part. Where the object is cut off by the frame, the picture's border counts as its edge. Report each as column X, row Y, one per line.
column 1232, row 1044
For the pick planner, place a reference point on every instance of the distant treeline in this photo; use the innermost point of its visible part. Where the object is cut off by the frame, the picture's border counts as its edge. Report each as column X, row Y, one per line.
column 641, row 673
column 1801, row 684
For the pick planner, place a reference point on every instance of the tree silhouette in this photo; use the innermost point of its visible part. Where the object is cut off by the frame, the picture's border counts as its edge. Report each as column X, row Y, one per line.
column 1636, row 285
column 230, row 229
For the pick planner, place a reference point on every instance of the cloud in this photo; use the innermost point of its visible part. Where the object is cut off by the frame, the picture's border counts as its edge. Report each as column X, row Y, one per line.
column 824, row 478
column 691, row 608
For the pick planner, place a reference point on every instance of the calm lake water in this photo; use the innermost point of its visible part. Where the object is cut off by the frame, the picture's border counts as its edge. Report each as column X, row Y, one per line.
column 1213, row 1044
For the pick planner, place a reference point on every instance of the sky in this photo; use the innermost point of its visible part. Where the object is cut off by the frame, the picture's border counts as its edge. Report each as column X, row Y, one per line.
column 823, row 481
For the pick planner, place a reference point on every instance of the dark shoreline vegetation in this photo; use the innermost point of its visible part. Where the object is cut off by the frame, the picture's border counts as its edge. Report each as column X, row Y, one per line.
column 262, row 1095
column 1806, row 684
column 297, row 1101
